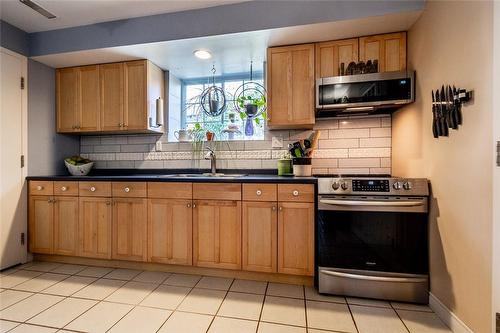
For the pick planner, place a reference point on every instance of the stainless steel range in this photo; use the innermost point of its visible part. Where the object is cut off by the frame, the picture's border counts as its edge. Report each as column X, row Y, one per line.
column 372, row 238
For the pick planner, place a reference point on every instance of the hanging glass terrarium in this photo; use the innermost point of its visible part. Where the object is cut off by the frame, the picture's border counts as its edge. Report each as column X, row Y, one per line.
column 250, row 102
column 213, row 99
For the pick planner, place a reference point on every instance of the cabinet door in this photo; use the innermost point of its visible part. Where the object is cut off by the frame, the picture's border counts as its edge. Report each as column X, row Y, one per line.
column 260, row 236
column 130, row 229
column 296, row 238
column 65, row 225
column 217, row 234
column 290, row 85
column 94, row 228
column 89, row 101
column 111, row 80
column 170, row 231
column 67, row 99
column 389, row 49
column 329, row 56
column 135, row 108
column 41, row 224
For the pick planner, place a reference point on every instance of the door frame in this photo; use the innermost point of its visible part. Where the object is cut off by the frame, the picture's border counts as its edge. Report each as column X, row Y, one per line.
column 24, row 139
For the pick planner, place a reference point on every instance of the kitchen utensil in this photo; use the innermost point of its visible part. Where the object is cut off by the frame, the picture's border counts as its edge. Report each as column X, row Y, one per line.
column 458, row 105
column 435, row 127
column 453, row 111
column 302, row 167
column 443, row 116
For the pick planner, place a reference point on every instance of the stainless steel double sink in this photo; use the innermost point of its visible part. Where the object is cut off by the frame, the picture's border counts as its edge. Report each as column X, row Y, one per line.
column 203, row 175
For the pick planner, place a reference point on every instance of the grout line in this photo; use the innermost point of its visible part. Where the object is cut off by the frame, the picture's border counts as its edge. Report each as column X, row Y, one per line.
column 397, row 314
column 352, row 316
column 262, row 307
column 220, row 305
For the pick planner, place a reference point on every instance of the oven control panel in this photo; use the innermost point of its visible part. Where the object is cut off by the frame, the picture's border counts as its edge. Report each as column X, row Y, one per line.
column 370, row 185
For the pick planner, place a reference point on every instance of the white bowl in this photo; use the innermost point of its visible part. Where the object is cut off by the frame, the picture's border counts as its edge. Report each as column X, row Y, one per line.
column 79, row 170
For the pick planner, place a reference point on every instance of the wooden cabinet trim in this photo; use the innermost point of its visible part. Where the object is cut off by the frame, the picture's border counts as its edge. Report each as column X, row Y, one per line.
column 217, row 191
column 296, row 192
column 64, row 188
column 94, row 189
column 170, row 190
column 260, row 192
column 129, row 189
column 41, row 187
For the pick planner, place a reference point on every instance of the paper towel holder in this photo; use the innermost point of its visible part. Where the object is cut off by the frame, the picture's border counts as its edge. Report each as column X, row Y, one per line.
column 158, row 115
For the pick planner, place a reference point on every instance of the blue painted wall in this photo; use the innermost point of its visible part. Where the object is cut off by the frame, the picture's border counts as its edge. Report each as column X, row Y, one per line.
column 241, row 17
column 13, row 38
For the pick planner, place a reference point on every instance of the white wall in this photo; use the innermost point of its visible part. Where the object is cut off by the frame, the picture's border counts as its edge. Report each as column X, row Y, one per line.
column 174, row 87
column 452, row 44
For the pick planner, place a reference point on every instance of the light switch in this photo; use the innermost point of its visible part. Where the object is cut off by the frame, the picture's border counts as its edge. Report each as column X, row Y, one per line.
column 277, row 142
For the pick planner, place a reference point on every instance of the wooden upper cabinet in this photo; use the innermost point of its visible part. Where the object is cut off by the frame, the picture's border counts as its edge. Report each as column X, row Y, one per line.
column 41, row 224
column 130, row 229
column 135, row 113
column 66, row 225
column 67, row 99
column 329, row 56
column 112, row 92
column 259, row 236
column 389, row 49
column 89, row 99
column 296, row 238
column 170, row 226
column 217, row 234
column 290, row 86
column 94, row 227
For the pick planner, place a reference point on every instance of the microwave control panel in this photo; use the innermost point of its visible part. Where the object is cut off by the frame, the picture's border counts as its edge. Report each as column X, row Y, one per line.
column 370, row 185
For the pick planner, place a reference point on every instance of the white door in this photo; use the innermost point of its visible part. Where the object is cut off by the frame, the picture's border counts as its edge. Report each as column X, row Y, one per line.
column 13, row 127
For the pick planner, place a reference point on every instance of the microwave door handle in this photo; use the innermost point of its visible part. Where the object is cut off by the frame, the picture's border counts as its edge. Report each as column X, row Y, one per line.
column 371, row 203
column 375, row 278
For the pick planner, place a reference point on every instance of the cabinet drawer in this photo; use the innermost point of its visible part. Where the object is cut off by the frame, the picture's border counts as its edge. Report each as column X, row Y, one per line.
column 217, row 191
column 296, row 192
column 260, row 192
column 94, row 189
column 66, row 188
column 38, row 187
column 129, row 189
column 170, row 190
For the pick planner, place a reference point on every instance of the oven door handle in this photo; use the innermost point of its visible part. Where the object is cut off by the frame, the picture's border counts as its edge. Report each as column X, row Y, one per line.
column 375, row 278
column 392, row 203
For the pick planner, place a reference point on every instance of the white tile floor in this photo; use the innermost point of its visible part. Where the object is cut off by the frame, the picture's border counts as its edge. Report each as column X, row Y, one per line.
column 48, row 297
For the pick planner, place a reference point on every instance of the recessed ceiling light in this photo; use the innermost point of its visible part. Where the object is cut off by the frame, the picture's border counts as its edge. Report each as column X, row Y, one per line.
column 202, row 54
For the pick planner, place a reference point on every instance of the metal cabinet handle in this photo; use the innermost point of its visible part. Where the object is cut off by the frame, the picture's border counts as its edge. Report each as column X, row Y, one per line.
column 194, row 205
column 258, row 192
column 273, row 208
column 64, row 188
column 39, row 188
column 295, row 193
column 126, row 189
column 374, row 278
column 92, row 189
column 188, row 205
column 280, row 209
column 49, row 200
column 108, row 203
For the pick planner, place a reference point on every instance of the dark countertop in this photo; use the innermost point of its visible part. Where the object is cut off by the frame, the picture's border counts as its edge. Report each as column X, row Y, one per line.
column 249, row 176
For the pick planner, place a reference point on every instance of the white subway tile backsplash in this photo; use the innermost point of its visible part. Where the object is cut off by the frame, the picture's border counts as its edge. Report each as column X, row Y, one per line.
column 319, row 171
column 382, row 132
column 339, row 143
column 346, row 146
column 359, row 163
column 360, row 122
column 129, row 156
column 349, row 133
column 114, row 140
column 369, row 152
column 375, row 142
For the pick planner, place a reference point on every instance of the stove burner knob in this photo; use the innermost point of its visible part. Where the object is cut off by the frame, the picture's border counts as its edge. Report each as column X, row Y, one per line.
column 335, row 186
column 397, row 185
column 407, row 186
column 344, row 186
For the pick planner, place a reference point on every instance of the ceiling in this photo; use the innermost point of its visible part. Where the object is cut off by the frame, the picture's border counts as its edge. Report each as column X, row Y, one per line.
column 71, row 13
column 232, row 53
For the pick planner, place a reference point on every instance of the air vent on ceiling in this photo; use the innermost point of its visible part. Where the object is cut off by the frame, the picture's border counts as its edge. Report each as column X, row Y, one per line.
column 37, row 8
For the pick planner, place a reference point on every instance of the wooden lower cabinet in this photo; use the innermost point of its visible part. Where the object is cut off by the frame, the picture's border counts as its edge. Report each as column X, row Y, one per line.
column 217, row 234
column 130, row 229
column 65, row 225
column 170, row 230
column 94, row 228
column 41, row 224
column 259, row 236
column 296, row 238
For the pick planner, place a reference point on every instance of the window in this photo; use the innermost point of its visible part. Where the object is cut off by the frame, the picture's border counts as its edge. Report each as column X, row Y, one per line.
column 192, row 114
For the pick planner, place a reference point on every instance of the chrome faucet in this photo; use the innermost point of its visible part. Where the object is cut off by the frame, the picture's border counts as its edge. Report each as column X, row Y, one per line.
column 213, row 159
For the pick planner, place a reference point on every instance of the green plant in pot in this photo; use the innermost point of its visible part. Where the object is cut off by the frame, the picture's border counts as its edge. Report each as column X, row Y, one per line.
column 251, row 105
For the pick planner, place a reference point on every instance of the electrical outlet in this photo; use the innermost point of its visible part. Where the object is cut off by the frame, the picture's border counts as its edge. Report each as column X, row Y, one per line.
column 277, row 142
column 158, row 146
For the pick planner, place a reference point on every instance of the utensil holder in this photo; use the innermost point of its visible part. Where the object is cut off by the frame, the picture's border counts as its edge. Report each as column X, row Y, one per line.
column 302, row 167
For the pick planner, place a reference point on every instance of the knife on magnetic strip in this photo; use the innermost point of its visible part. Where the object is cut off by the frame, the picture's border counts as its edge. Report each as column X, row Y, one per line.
column 435, row 126
column 453, row 111
column 443, row 124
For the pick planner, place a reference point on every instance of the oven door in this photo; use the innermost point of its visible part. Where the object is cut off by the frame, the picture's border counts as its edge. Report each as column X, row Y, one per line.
column 375, row 247
column 373, row 233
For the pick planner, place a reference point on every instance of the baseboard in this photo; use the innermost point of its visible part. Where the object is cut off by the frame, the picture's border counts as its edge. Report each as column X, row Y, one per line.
column 448, row 317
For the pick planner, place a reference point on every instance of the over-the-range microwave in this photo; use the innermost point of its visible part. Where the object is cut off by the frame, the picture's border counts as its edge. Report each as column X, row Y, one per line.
column 364, row 93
